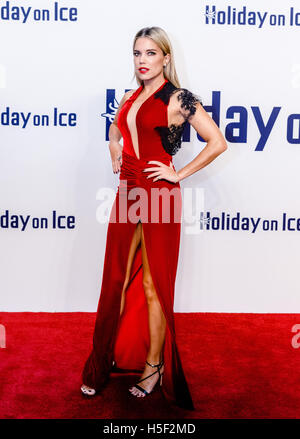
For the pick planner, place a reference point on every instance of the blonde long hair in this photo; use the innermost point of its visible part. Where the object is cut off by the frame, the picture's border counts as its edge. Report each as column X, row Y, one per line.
column 159, row 36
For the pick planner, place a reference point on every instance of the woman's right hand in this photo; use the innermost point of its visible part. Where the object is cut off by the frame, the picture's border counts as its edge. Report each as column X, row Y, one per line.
column 116, row 156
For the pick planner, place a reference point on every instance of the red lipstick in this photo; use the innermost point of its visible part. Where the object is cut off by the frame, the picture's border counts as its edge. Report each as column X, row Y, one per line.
column 143, row 70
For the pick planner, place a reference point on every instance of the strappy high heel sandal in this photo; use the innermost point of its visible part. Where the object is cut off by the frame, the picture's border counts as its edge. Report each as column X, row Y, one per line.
column 159, row 366
column 87, row 391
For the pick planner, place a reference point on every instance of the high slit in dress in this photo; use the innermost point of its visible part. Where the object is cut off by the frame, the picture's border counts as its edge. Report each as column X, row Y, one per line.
column 122, row 342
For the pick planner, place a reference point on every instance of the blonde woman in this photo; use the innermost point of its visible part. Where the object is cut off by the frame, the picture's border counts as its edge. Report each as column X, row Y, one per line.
column 134, row 329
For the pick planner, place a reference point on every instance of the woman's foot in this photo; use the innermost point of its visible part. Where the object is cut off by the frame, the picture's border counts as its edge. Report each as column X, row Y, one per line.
column 87, row 391
column 148, row 383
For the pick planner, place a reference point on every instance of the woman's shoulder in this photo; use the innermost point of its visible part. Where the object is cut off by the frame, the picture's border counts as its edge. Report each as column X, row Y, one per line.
column 184, row 100
column 127, row 95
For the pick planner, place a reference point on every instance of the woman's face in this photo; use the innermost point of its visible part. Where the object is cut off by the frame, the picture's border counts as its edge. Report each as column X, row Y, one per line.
column 148, row 58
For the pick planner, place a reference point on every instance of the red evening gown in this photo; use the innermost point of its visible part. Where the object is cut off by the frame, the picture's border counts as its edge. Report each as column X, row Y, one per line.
column 122, row 342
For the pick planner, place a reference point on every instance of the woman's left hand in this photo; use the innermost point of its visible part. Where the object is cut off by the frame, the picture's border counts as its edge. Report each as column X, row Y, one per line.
column 162, row 171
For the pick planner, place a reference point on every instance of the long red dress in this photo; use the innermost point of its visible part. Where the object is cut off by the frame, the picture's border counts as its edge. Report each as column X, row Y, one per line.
column 122, row 342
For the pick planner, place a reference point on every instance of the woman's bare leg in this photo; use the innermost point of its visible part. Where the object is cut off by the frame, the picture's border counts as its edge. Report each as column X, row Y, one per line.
column 157, row 327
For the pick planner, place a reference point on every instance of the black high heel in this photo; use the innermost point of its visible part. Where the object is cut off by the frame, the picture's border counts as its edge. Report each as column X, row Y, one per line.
column 159, row 366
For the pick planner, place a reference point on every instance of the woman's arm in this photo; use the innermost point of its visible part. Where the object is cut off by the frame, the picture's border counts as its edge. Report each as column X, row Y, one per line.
column 210, row 132
column 188, row 107
column 114, row 135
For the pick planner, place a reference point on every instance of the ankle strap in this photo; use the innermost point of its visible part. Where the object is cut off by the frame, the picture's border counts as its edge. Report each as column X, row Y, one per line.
column 155, row 365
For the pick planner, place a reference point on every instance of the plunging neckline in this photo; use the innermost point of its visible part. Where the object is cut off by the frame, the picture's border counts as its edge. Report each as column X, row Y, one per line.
column 136, row 114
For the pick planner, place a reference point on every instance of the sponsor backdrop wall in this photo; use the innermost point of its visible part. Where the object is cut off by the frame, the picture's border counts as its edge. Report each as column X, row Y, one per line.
column 64, row 67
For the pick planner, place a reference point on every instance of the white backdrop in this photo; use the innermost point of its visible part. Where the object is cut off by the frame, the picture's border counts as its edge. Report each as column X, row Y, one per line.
column 75, row 62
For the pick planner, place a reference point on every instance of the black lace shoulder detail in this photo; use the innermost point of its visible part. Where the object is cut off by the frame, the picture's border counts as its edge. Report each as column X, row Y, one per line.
column 188, row 102
column 186, row 98
column 171, row 137
column 165, row 93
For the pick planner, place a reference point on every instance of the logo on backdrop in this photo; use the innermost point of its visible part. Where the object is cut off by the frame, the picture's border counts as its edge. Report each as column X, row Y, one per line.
column 58, row 118
column 15, row 221
column 244, row 16
column 235, row 131
column 58, row 12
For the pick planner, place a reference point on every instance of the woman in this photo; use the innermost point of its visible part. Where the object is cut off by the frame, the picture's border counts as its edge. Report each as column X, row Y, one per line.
column 134, row 327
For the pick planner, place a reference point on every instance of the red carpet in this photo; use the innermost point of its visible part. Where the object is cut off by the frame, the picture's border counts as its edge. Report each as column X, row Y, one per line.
column 237, row 366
